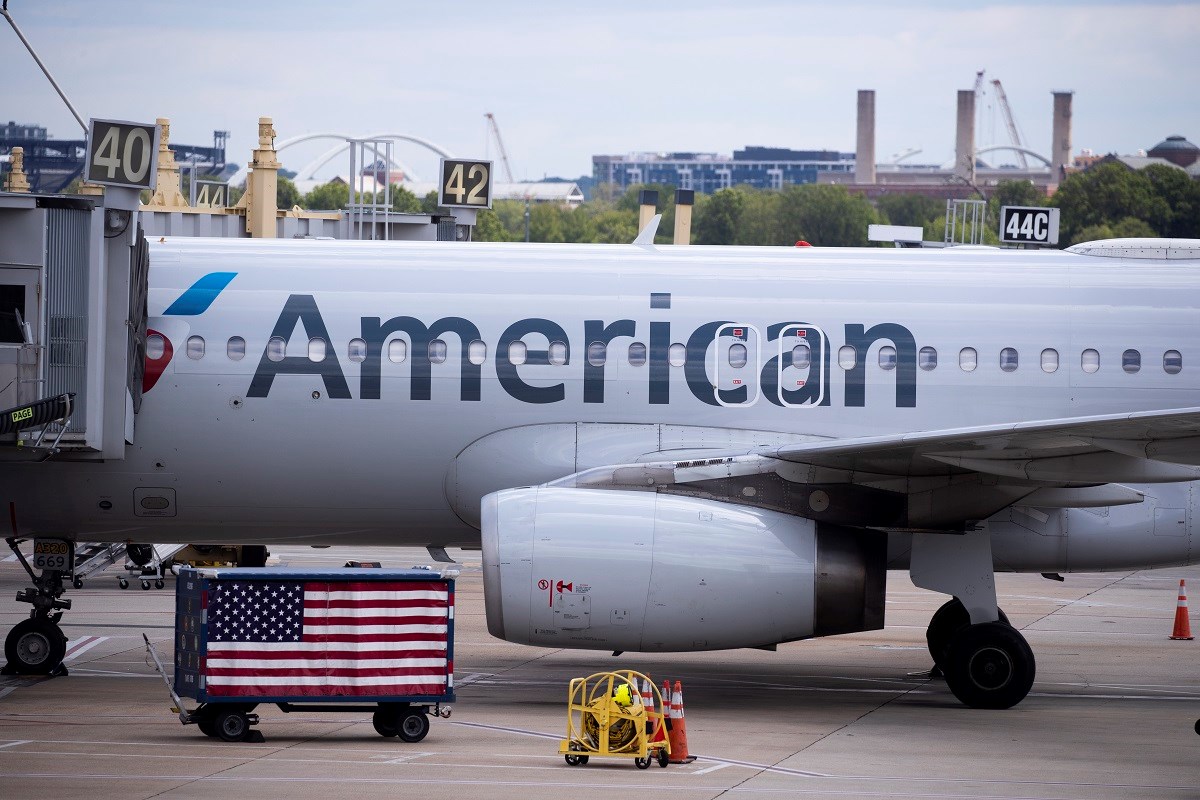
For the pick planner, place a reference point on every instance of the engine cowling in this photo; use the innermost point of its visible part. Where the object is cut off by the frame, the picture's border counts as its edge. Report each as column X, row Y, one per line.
column 613, row 570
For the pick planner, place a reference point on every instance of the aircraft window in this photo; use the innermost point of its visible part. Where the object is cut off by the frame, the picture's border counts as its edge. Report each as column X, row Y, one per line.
column 195, row 347
column 968, row 359
column 235, row 348
column 557, row 354
column 1089, row 361
column 397, row 351
column 1049, row 360
column 887, row 357
column 1172, row 362
column 316, row 349
column 1131, row 361
column 677, row 355
column 437, row 351
column 637, row 354
column 927, row 358
column 477, row 352
column 275, row 348
column 597, row 354
column 156, row 345
column 517, row 352
column 1008, row 359
column 737, row 355
column 802, row 356
column 357, row 350
column 847, row 357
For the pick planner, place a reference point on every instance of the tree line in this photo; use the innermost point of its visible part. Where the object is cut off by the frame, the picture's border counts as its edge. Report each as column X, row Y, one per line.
column 1107, row 201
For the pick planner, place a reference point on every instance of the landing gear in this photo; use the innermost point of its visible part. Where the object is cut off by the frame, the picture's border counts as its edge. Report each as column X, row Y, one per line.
column 948, row 621
column 989, row 665
column 253, row 555
column 36, row 646
column 986, row 662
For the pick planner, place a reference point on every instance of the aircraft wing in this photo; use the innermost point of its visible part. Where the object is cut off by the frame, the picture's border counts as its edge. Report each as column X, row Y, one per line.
column 935, row 479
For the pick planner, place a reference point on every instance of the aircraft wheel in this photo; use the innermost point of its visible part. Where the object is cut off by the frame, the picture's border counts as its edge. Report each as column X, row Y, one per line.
column 989, row 666
column 231, row 726
column 413, row 726
column 253, row 555
column 124, row 584
column 35, row 647
column 946, row 622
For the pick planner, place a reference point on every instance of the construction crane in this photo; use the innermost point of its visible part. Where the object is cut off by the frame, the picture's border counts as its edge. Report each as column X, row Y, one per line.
column 1013, row 134
column 491, row 118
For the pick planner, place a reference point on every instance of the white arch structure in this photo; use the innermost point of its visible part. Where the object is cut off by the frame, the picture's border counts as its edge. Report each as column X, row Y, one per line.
column 1015, row 149
column 239, row 178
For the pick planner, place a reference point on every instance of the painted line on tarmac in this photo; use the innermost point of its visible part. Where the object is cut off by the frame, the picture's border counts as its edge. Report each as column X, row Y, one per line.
column 707, row 770
column 14, row 744
column 82, row 645
column 503, row 729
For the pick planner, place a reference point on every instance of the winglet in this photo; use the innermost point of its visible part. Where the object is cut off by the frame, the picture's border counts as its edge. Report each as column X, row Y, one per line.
column 646, row 237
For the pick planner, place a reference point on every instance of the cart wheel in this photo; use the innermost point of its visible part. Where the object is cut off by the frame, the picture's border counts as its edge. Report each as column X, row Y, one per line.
column 207, row 726
column 663, row 758
column 77, row 583
column 232, row 726
column 158, row 584
column 413, row 726
column 145, row 584
column 386, row 722
column 583, row 759
column 124, row 584
column 642, row 763
column 571, row 759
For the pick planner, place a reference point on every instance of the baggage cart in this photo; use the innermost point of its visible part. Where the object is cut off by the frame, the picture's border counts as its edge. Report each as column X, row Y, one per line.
column 366, row 640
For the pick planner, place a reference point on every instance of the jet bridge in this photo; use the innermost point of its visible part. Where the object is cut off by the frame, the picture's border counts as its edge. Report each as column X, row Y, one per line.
column 73, row 286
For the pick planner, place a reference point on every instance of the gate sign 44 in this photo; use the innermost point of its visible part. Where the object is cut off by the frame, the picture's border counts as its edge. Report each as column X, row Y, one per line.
column 1028, row 225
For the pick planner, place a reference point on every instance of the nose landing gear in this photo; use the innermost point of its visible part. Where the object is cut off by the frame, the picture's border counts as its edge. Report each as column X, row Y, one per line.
column 36, row 646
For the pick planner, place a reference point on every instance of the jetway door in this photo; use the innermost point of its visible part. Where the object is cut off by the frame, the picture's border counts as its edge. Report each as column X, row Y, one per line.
column 20, row 325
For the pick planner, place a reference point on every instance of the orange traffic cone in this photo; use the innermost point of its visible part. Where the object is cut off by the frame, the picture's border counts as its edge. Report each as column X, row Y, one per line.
column 679, row 747
column 647, row 704
column 1183, row 628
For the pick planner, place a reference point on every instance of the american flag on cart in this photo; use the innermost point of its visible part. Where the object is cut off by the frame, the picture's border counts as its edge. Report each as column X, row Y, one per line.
column 322, row 638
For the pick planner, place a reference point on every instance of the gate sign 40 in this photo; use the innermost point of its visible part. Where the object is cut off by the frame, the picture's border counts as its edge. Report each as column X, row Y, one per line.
column 1028, row 225
column 122, row 154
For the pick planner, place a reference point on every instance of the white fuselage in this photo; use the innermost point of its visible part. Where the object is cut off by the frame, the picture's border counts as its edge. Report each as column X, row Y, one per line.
column 330, row 449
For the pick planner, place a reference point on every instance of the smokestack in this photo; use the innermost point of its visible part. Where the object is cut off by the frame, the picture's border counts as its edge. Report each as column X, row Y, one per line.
column 864, row 154
column 964, row 143
column 1060, row 145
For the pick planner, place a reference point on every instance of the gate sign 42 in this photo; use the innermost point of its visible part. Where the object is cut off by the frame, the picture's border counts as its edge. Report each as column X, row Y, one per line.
column 1028, row 225
column 122, row 154
column 465, row 184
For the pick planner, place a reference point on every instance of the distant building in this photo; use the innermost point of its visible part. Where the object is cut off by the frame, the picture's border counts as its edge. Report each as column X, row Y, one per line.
column 1177, row 150
column 14, row 131
column 562, row 193
column 761, row 167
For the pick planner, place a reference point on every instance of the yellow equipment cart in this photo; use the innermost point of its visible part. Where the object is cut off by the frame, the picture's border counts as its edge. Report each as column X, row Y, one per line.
column 606, row 716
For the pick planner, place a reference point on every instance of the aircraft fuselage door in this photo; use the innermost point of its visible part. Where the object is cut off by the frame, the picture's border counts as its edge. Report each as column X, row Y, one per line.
column 19, row 333
column 737, row 356
column 802, row 353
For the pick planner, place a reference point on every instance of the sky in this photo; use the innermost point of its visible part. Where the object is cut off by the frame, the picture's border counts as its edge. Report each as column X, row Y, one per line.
column 570, row 80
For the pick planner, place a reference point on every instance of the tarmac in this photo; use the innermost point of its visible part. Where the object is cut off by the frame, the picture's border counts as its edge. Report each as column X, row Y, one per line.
column 1111, row 713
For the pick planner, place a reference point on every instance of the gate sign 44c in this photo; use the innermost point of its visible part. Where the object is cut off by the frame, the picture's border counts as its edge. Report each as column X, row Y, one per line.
column 1028, row 225
column 122, row 153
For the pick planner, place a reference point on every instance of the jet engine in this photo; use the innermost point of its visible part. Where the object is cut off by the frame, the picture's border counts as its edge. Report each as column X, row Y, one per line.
column 627, row 570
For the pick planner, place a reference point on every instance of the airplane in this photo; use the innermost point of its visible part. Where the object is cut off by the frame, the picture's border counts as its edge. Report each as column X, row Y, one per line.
column 660, row 448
